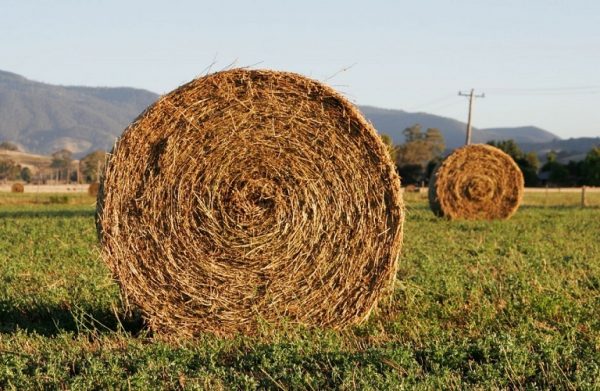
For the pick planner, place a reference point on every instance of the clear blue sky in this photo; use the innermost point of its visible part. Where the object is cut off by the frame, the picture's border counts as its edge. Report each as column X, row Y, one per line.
column 537, row 61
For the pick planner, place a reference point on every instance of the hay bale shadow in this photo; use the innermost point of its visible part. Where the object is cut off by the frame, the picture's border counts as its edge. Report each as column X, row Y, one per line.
column 27, row 214
column 52, row 320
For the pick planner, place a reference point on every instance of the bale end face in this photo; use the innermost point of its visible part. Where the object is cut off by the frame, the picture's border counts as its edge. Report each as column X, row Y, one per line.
column 476, row 182
column 251, row 196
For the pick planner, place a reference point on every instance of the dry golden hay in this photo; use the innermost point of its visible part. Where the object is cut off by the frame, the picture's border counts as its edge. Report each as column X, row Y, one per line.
column 93, row 189
column 17, row 188
column 250, row 197
column 476, row 182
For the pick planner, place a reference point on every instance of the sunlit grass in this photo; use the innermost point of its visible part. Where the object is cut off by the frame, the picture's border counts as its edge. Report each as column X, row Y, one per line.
column 503, row 304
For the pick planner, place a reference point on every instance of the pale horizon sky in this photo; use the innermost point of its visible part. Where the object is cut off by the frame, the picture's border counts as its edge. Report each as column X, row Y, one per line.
column 538, row 62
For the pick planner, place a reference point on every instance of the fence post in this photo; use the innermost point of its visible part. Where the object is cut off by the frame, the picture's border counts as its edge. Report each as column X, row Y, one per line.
column 583, row 200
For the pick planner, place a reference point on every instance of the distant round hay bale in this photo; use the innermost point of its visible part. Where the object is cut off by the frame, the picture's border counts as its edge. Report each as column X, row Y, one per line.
column 251, row 196
column 17, row 188
column 476, row 182
column 93, row 189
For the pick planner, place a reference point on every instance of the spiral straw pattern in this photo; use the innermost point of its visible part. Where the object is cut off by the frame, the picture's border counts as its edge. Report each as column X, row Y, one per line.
column 247, row 197
column 476, row 182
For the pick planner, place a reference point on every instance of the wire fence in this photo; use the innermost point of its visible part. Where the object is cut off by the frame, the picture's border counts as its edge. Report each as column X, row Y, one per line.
column 534, row 196
column 537, row 196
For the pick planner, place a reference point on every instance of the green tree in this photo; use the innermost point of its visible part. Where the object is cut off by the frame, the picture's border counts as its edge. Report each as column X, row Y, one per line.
column 9, row 170
column 532, row 160
column 8, row 146
column 529, row 164
column 508, row 146
column 576, row 172
column 591, row 167
column 92, row 165
column 435, row 139
column 558, row 174
column 61, row 160
column 413, row 133
column 26, row 174
column 415, row 154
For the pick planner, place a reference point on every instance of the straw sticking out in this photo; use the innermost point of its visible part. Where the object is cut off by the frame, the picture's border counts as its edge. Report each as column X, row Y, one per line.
column 250, row 196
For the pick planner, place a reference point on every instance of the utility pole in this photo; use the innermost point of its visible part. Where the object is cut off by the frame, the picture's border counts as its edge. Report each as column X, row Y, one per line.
column 471, row 95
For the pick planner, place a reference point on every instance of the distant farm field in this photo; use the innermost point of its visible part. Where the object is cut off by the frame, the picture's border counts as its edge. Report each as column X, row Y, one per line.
column 540, row 197
column 503, row 304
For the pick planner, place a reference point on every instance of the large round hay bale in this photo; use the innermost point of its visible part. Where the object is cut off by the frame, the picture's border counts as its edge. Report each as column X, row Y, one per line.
column 17, row 188
column 248, row 197
column 476, row 182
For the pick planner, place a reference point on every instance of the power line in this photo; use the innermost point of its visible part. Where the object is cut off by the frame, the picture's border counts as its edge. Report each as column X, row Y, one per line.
column 562, row 88
column 546, row 91
column 432, row 102
column 562, row 93
column 438, row 108
column 471, row 95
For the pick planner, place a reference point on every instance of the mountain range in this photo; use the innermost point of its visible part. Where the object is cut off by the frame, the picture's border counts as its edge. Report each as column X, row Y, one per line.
column 393, row 122
column 43, row 118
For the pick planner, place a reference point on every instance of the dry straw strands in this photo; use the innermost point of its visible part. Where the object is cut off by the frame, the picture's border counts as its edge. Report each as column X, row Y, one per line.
column 251, row 196
column 476, row 182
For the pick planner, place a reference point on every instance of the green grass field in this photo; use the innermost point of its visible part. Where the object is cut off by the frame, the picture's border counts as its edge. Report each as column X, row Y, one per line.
column 504, row 304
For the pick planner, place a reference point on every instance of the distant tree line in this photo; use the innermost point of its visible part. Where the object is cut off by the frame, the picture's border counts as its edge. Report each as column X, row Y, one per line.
column 585, row 172
column 422, row 151
column 62, row 169
column 10, row 171
column 8, row 146
column 418, row 156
